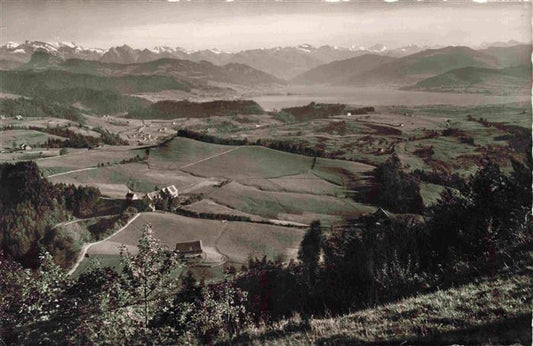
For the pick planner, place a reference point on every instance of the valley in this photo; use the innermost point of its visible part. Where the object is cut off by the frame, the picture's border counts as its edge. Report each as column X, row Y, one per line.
column 310, row 177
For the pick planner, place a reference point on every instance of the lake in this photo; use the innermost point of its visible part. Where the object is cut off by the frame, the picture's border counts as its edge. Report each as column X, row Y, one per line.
column 374, row 96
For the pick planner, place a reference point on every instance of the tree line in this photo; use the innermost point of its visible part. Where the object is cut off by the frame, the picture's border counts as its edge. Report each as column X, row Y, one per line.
column 77, row 140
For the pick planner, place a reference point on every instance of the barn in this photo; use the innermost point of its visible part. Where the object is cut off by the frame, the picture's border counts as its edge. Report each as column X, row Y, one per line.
column 190, row 249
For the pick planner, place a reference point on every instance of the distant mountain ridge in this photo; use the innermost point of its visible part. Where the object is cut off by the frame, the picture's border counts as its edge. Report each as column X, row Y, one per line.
column 373, row 69
column 198, row 74
column 425, row 64
column 282, row 62
column 338, row 72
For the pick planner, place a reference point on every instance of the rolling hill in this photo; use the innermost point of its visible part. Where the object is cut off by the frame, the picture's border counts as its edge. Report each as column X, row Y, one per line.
column 416, row 67
column 338, row 71
column 186, row 109
column 508, row 81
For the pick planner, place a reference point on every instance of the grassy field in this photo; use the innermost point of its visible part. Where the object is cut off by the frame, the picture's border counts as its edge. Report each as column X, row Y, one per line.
column 282, row 205
column 14, row 138
column 307, row 183
column 182, row 151
column 242, row 240
column 83, row 158
column 517, row 113
column 493, row 311
column 115, row 180
column 252, row 161
column 265, row 182
column 237, row 240
column 209, row 206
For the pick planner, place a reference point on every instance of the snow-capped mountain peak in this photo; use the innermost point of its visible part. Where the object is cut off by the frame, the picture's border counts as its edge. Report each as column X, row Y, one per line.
column 12, row 45
column 163, row 49
column 306, row 47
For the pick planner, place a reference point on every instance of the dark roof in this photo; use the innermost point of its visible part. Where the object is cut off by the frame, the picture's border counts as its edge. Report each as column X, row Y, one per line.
column 382, row 213
column 189, row 247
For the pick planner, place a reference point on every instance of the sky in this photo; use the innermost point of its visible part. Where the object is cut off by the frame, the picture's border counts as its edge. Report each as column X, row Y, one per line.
column 234, row 25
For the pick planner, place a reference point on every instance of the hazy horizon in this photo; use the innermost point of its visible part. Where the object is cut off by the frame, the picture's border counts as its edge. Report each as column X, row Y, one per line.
column 237, row 26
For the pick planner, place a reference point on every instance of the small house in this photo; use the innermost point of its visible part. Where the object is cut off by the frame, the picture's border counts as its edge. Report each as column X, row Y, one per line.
column 190, row 249
column 25, row 146
column 18, row 117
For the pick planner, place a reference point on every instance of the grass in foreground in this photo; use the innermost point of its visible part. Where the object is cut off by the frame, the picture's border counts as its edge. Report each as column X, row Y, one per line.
column 493, row 311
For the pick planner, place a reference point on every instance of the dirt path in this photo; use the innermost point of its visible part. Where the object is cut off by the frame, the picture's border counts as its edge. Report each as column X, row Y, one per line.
column 209, row 158
column 74, row 171
column 215, row 243
column 66, row 223
column 87, row 246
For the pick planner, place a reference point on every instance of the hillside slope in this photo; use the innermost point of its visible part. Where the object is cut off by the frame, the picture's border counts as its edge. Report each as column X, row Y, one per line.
column 510, row 56
column 338, row 71
column 508, row 81
column 493, row 311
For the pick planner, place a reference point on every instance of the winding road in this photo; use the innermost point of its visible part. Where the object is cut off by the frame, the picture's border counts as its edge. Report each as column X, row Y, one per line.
column 87, row 246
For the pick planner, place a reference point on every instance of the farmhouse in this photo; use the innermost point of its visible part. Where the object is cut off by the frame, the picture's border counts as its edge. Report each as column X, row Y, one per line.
column 190, row 249
column 170, row 191
column 152, row 197
column 131, row 196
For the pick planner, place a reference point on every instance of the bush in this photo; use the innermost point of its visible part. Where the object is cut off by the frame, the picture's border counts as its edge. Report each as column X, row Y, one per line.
column 284, row 117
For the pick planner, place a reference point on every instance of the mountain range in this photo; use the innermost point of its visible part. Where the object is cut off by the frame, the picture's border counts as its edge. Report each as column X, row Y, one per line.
column 282, row 62
column 493, row 69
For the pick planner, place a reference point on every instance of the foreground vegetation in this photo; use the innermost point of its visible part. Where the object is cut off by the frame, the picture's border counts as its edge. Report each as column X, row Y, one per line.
column 493, row 310
column 462, row 287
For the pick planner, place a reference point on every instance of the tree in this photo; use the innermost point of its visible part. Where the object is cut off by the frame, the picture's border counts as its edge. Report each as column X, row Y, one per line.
column 151, row 274
column 394, row 189
column 309, row 252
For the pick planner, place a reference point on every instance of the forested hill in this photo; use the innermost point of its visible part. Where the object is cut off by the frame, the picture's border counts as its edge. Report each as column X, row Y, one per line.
column 31, row 206
column 186, row 109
